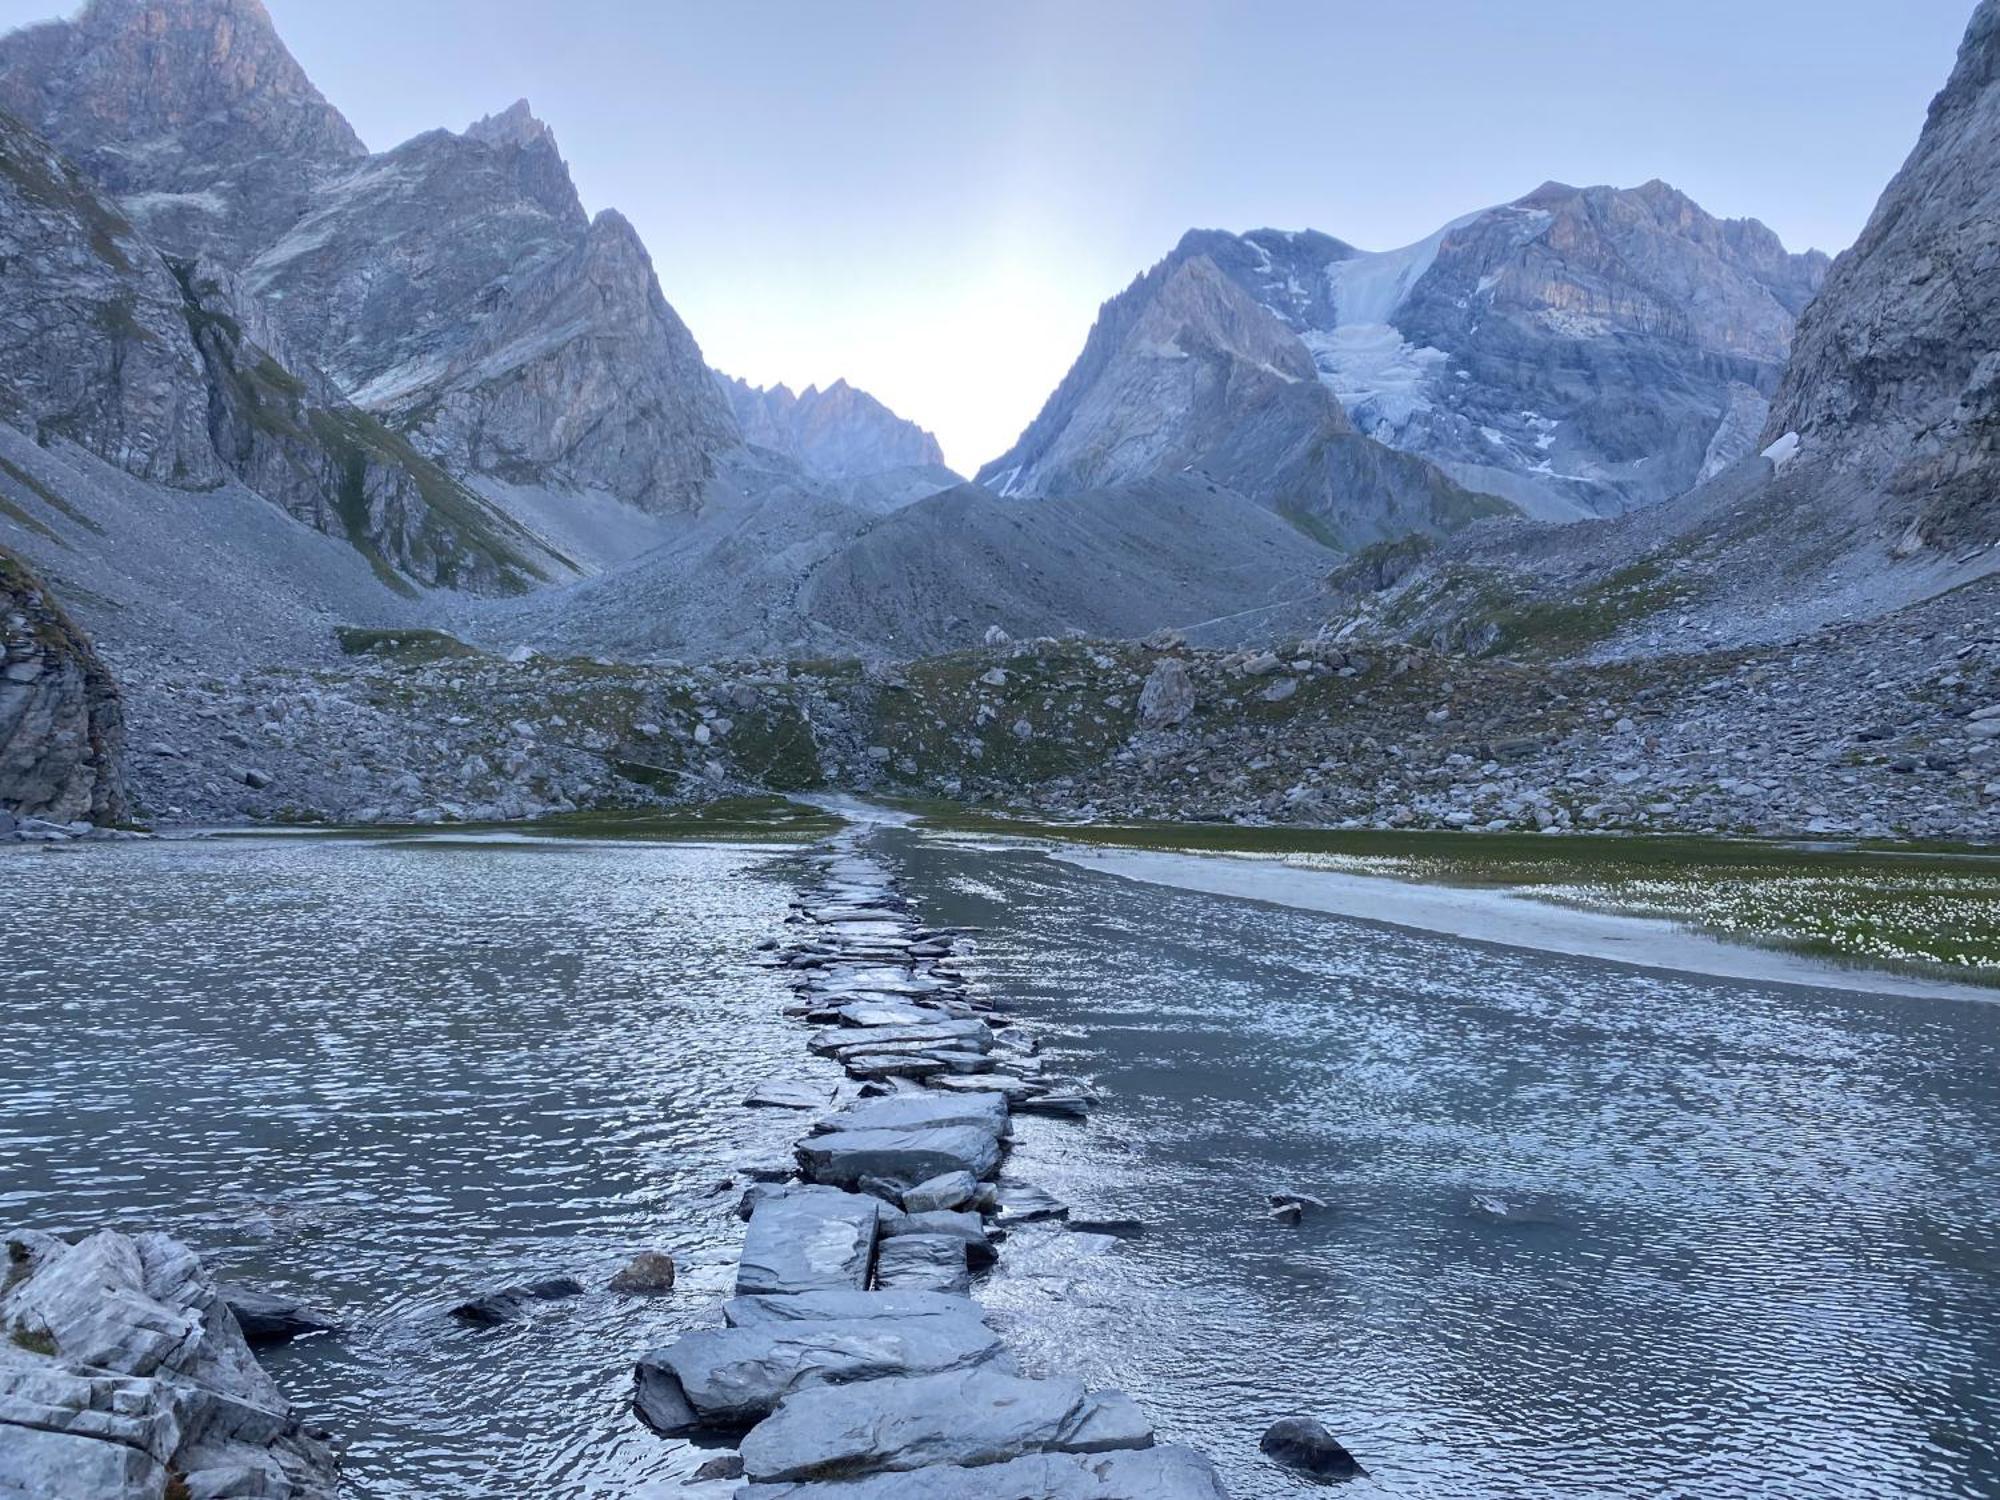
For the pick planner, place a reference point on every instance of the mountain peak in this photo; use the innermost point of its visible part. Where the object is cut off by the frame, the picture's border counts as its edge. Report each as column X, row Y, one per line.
column 516, row 125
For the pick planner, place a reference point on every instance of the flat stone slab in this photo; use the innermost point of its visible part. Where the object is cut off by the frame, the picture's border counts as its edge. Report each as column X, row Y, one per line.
column 868, row 1013
column 968, row 1229
column 903, row 1157
column 937, row 1031
column 782, row 1093
column 929, row 1262
column 1166, row 1473
column 922, row 1111
column 724, row 1379
column 827, row 1307
column 808, row 1240
column 964, row 1417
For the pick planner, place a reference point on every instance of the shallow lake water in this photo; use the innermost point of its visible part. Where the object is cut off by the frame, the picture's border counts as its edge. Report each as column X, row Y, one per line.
column 1593, row 1231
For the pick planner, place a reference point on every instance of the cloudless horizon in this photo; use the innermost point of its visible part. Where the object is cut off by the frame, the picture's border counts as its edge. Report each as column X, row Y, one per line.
column 931, row 200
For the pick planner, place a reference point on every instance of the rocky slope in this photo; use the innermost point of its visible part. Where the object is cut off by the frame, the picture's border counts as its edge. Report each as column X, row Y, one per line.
column 126, row 1377
column 453, row 287
column 1874, row 488
column 1184, row 373
column 1579, row 351
column 836, row 433
column 62, row 727
column 790, row 570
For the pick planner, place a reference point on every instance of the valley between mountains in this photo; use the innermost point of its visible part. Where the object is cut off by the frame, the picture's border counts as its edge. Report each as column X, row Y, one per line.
column 389, row 487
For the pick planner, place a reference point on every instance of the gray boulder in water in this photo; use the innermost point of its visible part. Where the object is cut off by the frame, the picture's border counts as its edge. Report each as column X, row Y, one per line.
column 504, row 1304
column 965, row 1417
column 125, row 1367
column 272, row 1317
column 904, row 1157
column 722, row 1379
column 1304, row 1444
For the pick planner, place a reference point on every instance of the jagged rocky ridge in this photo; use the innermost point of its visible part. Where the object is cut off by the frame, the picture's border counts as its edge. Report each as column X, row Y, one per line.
column 836, row 433
column 1184, row 374
column 453, row 286
column 151, row 363
column 1579, row 351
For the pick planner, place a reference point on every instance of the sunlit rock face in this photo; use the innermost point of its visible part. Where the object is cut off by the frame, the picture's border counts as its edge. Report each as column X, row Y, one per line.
column 1186, row 374
column 1579, row 351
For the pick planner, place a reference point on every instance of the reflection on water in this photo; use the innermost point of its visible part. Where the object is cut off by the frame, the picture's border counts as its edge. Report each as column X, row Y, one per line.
column 1593, row 1232
column 1748, row 1244
column 387, row 1074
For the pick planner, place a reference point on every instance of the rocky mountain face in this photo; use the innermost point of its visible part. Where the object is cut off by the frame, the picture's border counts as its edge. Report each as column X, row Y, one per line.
column 61, row 725
column 1896, row 367
column 94, row 346
column 836, row 433
column 454, row 288
column 190, row 113
column 148, row 363
column 1185, row 373
column 1873, row 487
column 1580, row 351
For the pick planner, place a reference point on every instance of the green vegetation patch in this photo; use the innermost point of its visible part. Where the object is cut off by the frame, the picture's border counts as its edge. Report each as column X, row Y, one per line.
column 416, row 645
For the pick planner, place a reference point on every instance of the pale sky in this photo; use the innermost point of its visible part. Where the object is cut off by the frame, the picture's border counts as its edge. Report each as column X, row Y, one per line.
column 931, row 197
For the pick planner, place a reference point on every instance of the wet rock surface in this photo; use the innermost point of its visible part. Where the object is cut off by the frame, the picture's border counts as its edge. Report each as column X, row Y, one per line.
column 125, row 1376
column 853, row 1360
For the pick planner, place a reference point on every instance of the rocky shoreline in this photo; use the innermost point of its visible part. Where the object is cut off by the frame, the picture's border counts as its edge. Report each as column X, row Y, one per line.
column 852, row 1363
column 125, row 1371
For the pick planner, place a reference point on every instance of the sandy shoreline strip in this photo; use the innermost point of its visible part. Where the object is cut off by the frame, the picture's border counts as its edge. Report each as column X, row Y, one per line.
column 1504, row 918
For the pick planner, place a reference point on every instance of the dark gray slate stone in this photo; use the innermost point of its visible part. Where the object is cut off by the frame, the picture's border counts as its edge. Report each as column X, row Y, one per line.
column 963, row 1417
column 808, row 1239
column 932, row 1262
column 724, row 1379
column 504, row 1304
column 1304, row 1444
column 904, row 1157
column 822, row 1307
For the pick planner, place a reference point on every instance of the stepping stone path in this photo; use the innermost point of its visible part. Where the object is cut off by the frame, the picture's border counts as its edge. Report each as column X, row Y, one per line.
column 853, row 1363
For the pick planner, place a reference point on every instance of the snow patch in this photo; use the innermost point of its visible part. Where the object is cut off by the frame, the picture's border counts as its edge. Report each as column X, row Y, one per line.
column 1783, row 451
column 1369, row 288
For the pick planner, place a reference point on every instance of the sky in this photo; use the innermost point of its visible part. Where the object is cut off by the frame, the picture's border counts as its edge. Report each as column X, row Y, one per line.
column 931, row 197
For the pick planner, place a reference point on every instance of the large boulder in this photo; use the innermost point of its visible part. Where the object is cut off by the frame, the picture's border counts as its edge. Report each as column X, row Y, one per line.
column 902, row 1157
column 721, row 1379
column 1168, row 696
column 964, row 1417
column 124, row 1367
